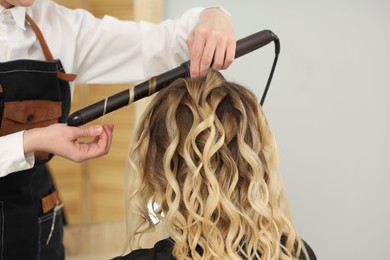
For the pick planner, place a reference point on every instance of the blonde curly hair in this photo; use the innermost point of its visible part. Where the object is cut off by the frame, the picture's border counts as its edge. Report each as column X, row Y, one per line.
column 205, row 158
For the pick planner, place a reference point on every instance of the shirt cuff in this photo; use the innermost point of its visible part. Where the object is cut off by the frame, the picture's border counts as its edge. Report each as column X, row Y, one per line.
column 12, row 157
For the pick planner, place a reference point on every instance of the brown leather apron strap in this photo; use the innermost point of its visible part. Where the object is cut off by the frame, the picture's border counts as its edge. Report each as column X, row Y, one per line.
column 46, row 51
column 65, row 76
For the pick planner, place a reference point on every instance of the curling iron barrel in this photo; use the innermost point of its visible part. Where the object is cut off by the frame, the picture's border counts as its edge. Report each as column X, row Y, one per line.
column 155, row 84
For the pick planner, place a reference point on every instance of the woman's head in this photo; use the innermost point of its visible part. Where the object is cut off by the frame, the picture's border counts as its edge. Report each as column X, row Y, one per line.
column 205, row 157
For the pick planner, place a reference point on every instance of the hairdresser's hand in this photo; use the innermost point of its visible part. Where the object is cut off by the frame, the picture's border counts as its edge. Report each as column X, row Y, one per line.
column 212, row 42
column 62, row 140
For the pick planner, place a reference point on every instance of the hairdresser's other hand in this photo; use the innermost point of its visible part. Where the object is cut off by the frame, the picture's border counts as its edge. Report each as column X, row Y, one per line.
column 212, row 42
column 62, row 140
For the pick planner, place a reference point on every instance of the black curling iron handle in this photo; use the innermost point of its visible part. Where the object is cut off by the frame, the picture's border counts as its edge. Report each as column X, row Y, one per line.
column 256, row 41
column 154, row 84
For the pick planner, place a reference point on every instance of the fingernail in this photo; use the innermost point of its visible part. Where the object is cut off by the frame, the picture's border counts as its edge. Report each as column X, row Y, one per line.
column 98, row 129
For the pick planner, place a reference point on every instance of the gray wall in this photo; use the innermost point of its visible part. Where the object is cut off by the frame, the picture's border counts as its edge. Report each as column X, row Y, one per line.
column 328, row 106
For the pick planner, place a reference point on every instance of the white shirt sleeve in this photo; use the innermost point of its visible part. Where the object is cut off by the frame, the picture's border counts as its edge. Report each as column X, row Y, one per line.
column 12, row 158
column 112, row 51
column 133, row 51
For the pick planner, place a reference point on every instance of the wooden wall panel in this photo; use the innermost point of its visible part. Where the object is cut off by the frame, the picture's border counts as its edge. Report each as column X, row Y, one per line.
column 92, row 191
column 69, row 179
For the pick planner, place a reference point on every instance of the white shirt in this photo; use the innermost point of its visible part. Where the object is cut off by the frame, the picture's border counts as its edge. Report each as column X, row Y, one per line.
column 101, row 51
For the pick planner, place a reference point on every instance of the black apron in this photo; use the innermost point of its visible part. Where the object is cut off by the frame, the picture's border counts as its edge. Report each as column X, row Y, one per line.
column 32, row 94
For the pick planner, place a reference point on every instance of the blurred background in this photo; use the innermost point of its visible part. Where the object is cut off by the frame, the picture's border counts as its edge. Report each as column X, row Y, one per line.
column 327, row 105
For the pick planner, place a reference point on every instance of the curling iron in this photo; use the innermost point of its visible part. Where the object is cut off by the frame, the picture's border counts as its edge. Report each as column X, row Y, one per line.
column 156, row 83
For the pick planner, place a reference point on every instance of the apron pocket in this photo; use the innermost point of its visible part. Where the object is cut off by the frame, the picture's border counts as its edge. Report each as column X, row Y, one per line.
column 28, row 114
column 50, row 227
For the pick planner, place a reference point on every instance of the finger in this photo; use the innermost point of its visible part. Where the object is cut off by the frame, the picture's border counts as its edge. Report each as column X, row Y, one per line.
column 95, row 148
column 89, row 131
column 196, row 43
column 103, row 141
column 219, row 56
column 230, row 54
column 103, row 135
column 109, row 131
column 208, row 54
